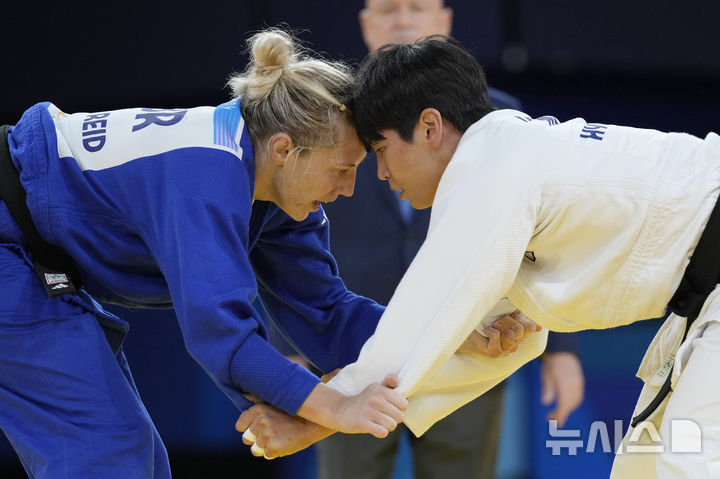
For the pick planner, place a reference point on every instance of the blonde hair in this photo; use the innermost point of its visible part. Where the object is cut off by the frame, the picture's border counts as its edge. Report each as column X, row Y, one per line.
column 285, row 90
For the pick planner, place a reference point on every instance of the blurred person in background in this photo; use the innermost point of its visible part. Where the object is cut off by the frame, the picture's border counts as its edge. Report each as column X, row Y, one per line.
column 464, row 444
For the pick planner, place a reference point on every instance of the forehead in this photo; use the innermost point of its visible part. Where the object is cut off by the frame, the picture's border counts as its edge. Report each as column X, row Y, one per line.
column 389, row 138
column 343, row 132
column 348, row 146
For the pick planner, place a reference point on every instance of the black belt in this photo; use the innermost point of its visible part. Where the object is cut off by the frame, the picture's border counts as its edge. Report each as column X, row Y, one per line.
column 700, row 278
column 54, row 267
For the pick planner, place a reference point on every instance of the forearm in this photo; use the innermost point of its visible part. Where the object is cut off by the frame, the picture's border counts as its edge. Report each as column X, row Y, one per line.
column 464, row 378
column 321, row 406
column 299, row 285
column 330, row 334
column 242, row 362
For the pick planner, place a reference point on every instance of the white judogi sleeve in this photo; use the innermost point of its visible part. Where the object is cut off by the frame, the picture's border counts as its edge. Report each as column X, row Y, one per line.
column 477, row 238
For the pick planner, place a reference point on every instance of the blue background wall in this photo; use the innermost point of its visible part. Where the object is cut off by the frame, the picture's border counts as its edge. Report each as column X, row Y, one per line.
column 647, row 63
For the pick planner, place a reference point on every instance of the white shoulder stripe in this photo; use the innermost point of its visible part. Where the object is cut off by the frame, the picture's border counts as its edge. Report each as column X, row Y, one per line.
column 104, row 140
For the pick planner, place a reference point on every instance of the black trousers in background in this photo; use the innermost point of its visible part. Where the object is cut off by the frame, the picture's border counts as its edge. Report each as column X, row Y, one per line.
column 462, row 445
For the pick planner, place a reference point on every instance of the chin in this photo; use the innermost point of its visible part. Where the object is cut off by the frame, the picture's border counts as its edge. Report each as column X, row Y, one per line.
column 299, row 216
column 420, row 205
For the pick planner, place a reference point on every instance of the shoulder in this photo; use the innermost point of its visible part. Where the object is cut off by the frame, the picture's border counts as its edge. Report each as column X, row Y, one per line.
column 493, row 121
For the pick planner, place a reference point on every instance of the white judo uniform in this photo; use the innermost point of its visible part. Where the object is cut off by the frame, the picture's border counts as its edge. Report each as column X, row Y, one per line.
column 580, row 226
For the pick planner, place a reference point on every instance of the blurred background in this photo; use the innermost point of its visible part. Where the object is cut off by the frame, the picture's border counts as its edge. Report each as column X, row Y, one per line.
column 645, row 63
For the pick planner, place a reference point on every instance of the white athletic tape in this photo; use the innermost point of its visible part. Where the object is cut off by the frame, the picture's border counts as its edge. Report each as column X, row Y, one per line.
column 249, row 436
column 257, row 450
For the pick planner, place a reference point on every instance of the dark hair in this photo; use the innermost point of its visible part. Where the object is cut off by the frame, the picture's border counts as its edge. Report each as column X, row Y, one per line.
column 397, row 82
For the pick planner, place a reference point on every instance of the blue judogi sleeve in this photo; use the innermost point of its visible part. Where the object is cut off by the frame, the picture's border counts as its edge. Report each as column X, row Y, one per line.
column 200, row 243
column 157, row 207
column 301, row 290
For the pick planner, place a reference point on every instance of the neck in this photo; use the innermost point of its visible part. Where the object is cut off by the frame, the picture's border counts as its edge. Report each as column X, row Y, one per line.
column 450, row 143
column 263, row 175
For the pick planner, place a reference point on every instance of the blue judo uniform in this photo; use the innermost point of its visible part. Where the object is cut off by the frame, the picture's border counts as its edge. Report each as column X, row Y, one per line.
column 155, row 207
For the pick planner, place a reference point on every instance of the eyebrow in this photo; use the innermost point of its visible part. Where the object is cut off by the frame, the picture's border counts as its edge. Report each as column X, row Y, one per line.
column 353, row 164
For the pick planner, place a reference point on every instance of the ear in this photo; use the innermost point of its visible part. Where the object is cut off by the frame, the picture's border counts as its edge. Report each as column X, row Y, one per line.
column 279, row 146
column 430, row 124
column 364, row 20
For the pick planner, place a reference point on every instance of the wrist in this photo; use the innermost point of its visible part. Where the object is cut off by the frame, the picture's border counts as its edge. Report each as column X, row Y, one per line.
column 318, row 432
column 321, row 406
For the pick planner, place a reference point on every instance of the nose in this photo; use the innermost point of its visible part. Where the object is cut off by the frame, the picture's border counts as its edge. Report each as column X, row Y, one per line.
column 347, row 187
column 403, row 17
column 382, row 171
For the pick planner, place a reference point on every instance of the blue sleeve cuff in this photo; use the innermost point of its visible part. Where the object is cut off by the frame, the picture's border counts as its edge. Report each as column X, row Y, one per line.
column 258, row 368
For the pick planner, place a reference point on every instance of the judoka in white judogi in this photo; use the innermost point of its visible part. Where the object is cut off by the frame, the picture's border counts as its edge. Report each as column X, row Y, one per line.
column 578, row 225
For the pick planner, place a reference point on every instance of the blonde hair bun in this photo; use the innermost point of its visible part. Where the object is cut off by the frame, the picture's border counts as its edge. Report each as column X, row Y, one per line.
column 286, row 89
column 272, row 49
